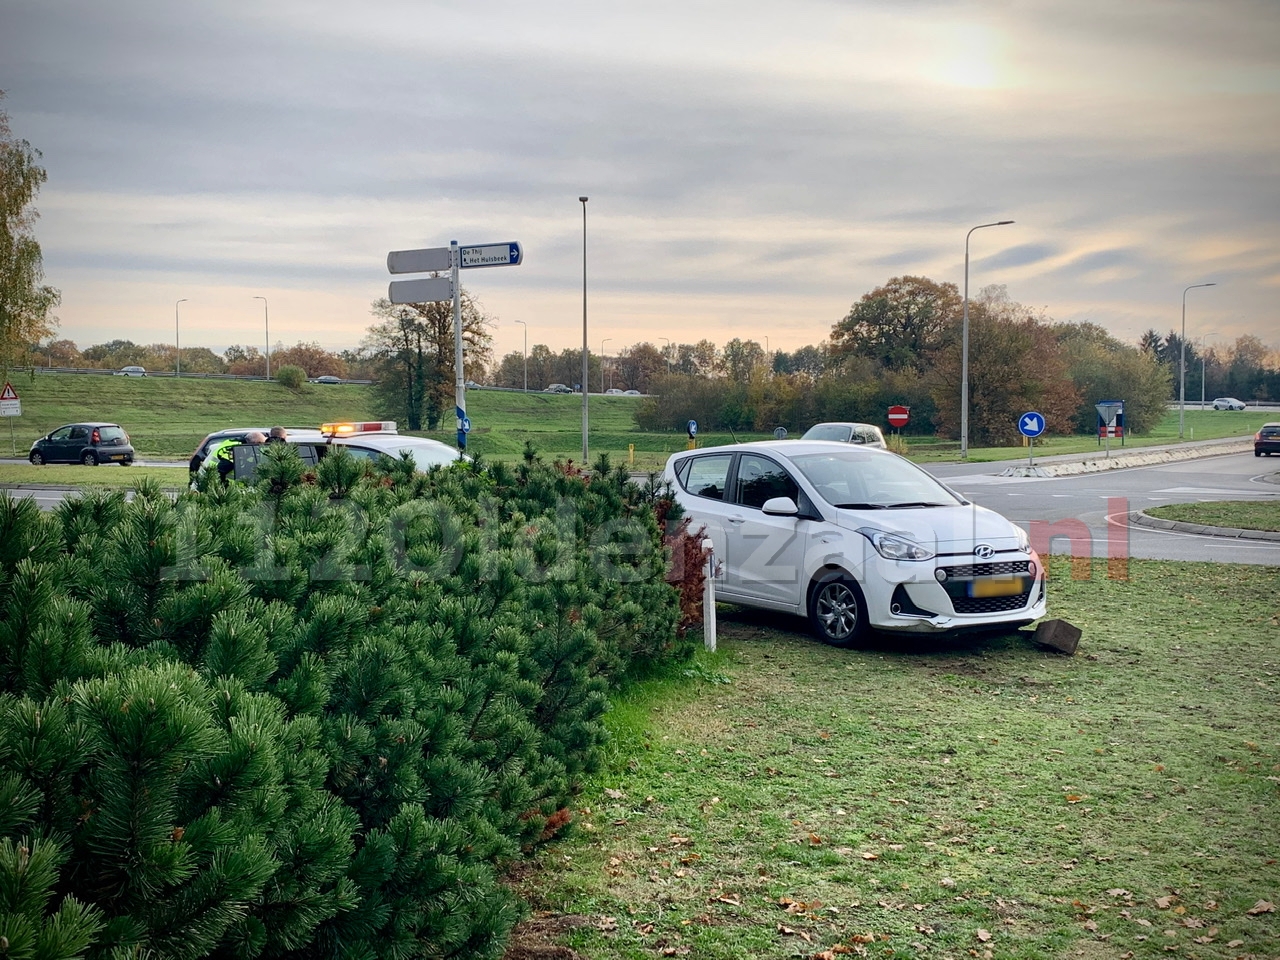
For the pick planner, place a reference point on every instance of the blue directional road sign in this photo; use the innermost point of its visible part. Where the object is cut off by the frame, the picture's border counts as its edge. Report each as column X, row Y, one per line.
column 490, row 255
column 692, row 428
column 1031, row 424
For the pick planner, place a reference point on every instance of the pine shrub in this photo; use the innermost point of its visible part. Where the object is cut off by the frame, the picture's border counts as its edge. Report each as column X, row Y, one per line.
column 314, row 717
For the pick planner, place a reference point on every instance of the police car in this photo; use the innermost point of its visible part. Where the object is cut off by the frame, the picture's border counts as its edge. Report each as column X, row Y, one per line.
column 367, row 439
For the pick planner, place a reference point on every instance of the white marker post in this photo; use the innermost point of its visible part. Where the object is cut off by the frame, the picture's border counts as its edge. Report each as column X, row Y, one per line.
column 709, row 598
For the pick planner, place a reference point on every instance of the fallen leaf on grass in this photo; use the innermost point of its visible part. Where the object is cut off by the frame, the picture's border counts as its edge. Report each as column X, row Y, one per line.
column 1164, row 903
column 984, row 935
column 1235, row 943
column 815, row 840
column 868, row 855
column 1262, row 906
column 613, row 794
column 607, row 924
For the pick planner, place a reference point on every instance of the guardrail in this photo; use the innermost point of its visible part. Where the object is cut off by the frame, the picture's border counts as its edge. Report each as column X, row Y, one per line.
column 97, row 371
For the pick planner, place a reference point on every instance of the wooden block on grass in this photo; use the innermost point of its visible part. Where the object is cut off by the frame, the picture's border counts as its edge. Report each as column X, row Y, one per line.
column 1057, row 634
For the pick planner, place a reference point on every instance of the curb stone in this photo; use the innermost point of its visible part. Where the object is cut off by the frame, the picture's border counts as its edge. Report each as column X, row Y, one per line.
column 1140, row 519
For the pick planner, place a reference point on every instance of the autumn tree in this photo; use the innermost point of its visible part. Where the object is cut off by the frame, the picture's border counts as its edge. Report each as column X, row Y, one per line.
column 1015, row 365
column 25, row 300
column 639, row 366
column 311, row 357
column 899, row 325
column 740, row 358
column 413, row 348
column 1104, row 368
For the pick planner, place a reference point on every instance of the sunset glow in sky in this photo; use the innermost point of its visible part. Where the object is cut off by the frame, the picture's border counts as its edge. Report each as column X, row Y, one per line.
column 753, row 168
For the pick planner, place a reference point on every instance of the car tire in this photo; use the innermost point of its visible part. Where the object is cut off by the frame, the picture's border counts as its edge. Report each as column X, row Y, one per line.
column 837, row 610
column 126, row 463
column 89, row 459
column 36, row 458
column 1258, row 453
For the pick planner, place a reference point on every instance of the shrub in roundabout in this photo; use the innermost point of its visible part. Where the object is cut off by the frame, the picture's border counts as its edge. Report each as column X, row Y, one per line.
column 312, row 717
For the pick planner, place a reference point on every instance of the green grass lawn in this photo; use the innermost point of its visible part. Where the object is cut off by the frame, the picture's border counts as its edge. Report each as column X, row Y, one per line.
column 1242, row 514
column 980, row 797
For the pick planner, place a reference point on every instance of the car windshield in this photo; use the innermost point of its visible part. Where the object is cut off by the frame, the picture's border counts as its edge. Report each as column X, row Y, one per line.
column 829, row 431
column 869, row 480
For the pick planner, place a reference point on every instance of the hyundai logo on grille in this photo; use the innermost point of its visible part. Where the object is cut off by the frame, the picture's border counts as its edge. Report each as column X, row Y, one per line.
column 984, row 551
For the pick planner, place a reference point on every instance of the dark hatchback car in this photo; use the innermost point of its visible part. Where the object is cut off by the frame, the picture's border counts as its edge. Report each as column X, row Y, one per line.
column 87, row 443
column 1267, row 440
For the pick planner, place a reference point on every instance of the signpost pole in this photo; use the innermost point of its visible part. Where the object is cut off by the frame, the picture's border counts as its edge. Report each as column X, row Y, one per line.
column 459, row 384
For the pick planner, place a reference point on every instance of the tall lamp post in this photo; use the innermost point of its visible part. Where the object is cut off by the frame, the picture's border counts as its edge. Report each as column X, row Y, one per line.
column 667, row 353
column 602, row 343
column 1200, row 340
column 177, row 341
column 266, row 326
column 964, row 344
column 1182, row 362
column 524, row 352
column 583, row 201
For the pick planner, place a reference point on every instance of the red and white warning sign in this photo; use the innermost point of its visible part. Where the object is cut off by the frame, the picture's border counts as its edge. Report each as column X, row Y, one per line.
column 10, row 405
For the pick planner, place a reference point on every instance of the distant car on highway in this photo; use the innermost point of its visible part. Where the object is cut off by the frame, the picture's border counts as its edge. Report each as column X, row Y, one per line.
column 632, row 393
column 867, row 434
column 131, row 371
column 613, row 392
column 90, row 443
column 558, row 388
column 327, row 378
column 1267, row 440
column 1228, row 403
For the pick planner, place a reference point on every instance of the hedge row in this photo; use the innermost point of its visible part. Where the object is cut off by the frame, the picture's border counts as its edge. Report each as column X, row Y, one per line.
column 312, row 718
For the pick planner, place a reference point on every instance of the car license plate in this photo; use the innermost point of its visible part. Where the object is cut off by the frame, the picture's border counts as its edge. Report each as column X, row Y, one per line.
column 997, row 587
column 117, row 456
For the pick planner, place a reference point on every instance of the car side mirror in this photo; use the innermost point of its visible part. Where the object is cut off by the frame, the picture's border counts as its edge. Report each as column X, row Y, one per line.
column 780, row 507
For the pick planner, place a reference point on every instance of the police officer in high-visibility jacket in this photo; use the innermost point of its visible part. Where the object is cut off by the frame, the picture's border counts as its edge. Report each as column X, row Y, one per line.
column 225, row 459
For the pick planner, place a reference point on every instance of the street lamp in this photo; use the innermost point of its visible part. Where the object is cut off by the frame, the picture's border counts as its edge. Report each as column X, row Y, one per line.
column 964, row 344
column 667, row 352
column 1200, row 340
column 583, row 201
column 177, row 341
column 266, row 326
column 524, row 352
column 602, row 343
column 1182, row 364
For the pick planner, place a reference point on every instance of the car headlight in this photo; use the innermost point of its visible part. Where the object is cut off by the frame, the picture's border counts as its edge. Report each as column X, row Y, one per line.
column 1024, row 539
column 892, row 546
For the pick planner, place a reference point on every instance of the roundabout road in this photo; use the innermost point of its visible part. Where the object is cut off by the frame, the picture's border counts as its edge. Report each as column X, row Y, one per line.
column 1088, row 514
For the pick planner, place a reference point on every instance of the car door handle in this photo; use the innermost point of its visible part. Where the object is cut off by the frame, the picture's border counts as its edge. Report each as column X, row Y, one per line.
column 737, row 519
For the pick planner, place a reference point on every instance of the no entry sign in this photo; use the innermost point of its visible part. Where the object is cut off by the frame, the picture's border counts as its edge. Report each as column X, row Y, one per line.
column 898, row 416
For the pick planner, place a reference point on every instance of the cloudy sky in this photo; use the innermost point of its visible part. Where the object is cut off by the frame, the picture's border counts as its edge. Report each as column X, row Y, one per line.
column 753, row 168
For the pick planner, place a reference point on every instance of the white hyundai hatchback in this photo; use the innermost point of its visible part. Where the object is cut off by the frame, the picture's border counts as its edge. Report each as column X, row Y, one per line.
column 855, row 538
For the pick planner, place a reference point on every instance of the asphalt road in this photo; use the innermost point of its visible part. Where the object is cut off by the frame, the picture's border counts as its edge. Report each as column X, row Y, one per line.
column 1086, row 514
column 1094, row 506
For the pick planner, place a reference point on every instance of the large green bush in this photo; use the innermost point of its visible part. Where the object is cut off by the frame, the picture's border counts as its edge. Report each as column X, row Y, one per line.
column 312, row 718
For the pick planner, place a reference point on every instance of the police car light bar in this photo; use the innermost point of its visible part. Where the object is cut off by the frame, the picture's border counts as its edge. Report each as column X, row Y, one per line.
column 348, row 428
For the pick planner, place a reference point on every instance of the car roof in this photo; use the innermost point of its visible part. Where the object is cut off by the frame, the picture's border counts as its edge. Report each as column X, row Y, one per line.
column 787, row 448
column 88, row 423
column 392, row 444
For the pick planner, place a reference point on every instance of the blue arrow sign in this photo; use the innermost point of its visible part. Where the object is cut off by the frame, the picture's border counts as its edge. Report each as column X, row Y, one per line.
column 1031, row 424
column 693, row 428
column 490, row 255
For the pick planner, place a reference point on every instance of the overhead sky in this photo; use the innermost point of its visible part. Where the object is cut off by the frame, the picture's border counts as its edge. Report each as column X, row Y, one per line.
column 753, row 168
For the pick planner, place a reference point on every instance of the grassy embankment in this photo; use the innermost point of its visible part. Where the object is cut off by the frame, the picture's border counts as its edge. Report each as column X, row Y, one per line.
column 166, row 418
column 969, row 798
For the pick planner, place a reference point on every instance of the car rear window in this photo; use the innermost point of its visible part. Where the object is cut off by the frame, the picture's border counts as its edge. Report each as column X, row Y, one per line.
column 111, row 434
column 1271, row 431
